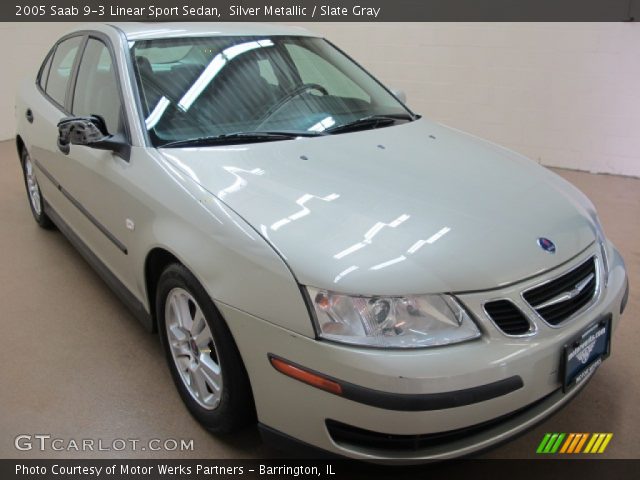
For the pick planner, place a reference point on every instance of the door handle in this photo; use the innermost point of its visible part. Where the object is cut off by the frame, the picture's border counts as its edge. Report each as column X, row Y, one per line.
column 29, row 115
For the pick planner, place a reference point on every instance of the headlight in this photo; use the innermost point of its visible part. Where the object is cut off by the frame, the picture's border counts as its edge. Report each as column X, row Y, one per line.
column 412, row 321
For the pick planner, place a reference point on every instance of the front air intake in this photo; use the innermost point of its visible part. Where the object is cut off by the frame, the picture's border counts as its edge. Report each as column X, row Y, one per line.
column 508, row 317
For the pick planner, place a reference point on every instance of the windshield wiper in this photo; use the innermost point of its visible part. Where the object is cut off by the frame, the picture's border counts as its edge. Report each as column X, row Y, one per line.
column 239, row 137
column 370, row 121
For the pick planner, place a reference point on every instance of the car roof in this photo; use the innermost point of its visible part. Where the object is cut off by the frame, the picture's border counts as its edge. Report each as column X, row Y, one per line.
column 149, row 30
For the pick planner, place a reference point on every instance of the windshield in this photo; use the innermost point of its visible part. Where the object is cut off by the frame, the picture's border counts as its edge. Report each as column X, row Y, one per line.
column 198, row 88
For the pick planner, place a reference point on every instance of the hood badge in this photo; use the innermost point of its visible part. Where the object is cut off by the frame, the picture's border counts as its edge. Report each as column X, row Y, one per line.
column 547, row 245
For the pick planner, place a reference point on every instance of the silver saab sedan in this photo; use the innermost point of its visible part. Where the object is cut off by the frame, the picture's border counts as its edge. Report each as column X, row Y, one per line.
column 315, row 256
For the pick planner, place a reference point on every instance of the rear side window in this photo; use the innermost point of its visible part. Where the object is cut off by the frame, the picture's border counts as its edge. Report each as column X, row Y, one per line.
column 44, row 72
column 61, row 69
column 96, row 91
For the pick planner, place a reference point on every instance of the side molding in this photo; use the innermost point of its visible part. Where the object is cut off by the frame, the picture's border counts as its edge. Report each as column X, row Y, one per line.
column 132, row 303
column 119, row 245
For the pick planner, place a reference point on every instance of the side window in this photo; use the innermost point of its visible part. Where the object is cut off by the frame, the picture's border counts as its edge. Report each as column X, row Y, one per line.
column 60, row 69
column 96, row 91
column 44, row 72
column 314, row 69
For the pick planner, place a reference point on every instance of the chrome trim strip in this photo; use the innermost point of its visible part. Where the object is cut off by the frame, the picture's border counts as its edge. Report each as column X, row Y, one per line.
column 566, row 296
column 121, row 246
column 594, row 300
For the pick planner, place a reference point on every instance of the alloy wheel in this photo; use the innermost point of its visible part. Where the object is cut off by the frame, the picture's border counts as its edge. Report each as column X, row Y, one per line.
column 193, row 348
column 32, row 186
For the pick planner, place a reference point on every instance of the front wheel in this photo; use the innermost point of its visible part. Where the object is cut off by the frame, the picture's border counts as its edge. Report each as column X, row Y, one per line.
column 203, row 358
column 33, row 192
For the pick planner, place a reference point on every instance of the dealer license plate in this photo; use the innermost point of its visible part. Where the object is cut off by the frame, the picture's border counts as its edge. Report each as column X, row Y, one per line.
column 585, row 353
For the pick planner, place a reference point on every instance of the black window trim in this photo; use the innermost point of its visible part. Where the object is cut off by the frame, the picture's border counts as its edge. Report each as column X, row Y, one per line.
column 139, row 119
column 62, row 108
column 106, row 41
column 48, row 58
column 74, row 74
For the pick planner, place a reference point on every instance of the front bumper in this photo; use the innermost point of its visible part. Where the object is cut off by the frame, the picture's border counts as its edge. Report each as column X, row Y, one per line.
column 318, row 418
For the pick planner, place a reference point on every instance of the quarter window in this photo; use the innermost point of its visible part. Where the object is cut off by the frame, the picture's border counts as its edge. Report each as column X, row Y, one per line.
column 96, row 91
column 61, row 68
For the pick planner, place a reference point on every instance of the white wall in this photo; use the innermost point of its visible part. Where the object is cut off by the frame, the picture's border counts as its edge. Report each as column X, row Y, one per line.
column 565, row 94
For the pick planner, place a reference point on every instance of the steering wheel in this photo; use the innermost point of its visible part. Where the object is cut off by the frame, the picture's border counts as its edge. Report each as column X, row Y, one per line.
column 296, row 92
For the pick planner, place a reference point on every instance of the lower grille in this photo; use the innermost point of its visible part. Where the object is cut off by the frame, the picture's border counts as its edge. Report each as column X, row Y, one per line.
column 559, row 299
column 507, row 317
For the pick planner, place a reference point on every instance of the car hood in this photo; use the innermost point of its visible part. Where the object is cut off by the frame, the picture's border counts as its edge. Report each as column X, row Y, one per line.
column 412, row 208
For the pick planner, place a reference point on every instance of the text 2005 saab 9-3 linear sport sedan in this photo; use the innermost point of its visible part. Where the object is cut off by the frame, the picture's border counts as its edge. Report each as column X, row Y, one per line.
column 316, row 257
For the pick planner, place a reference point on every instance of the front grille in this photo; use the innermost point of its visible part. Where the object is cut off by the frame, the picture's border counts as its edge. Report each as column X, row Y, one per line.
column 559, row 299
column 507, row 317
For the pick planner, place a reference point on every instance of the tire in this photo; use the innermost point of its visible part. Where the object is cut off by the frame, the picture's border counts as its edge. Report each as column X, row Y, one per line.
column 34, row 195
column 203, row 358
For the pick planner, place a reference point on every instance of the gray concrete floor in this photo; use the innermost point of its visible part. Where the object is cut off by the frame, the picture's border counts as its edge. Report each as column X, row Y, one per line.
column 76, row 364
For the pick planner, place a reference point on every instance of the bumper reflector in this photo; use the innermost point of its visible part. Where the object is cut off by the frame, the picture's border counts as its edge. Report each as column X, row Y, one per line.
column 306, row 376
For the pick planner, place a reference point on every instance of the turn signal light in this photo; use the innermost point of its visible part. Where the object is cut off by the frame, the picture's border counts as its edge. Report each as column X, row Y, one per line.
column 305, row 376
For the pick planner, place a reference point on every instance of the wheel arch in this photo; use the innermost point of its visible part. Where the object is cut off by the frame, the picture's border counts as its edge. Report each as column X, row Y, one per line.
column 155, row 263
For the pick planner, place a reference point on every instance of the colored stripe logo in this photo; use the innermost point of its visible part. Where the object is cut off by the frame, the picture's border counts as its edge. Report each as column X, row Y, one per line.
column 573, row 443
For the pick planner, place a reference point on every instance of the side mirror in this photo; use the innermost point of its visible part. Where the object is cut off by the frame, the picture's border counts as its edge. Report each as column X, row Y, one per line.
column 90, row 132
column 400, row 95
